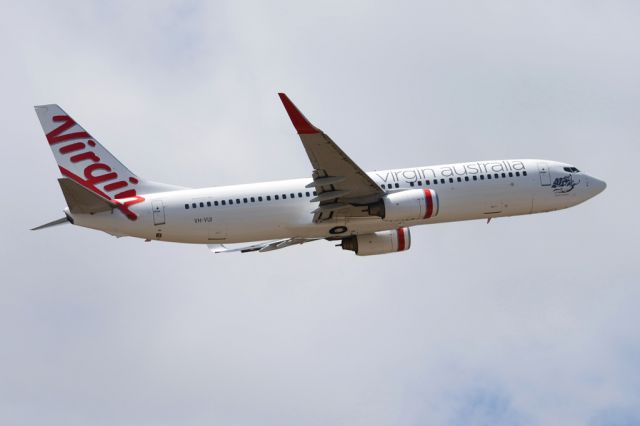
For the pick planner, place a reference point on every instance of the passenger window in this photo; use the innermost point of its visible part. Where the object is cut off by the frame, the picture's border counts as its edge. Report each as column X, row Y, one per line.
column 299, row 194
column 504, row 175
column 293, row 195
column 268, row 197
column 466, row 178
column 475, row 177
column 186, row 206
column 276, row 197
column 253, row 200
column 307, row 193
column 489, row 176
column 397, row 185
column 411, row 184
column 419, row 183
column 215, row 203
column 245, row 200
column 442, row 181
column 481, row 177
column 510, row 174
column 284, row 196
column 459, row 179
column 230, row 202
column 237, row 200
column 518, row 174
column 208, row 203
column 496, row 176
column 435, row 181
column 524, row 173
column 260, row 198
column 426, row 182
column 194, row 205
column 450, row 180
column 315, row 193
column 224, row 203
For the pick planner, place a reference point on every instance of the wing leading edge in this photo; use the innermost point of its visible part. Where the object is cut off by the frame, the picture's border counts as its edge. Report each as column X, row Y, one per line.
column 343, row 188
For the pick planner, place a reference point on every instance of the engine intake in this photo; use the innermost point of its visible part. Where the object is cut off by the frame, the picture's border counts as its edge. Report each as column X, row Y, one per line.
column 380, row 242
column 412, row 204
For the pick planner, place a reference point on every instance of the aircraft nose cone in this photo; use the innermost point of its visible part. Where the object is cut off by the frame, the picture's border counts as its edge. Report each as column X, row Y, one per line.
column 597, row 186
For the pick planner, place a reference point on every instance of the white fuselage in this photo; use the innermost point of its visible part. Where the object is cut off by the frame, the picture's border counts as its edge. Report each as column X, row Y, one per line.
column 282, row 209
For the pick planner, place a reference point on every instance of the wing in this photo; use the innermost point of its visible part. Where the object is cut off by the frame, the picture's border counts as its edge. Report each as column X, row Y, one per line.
column 343, row 188
column 261, row 247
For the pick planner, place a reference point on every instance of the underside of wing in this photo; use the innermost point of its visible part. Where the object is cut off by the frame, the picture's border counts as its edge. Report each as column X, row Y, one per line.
column 343, row 188
column 261, row 247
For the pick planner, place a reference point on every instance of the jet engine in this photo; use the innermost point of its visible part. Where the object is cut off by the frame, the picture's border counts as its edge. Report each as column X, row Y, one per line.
column 412, row 204
column 380, row 242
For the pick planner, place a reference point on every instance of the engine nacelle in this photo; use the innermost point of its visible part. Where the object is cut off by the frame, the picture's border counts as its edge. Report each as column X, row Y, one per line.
column 412, row 204
column 380, row 242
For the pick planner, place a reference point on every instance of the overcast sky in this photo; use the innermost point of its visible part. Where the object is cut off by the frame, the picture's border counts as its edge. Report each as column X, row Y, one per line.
column 526, row 321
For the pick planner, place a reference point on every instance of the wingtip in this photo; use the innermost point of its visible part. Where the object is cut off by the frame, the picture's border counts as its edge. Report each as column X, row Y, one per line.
column 300, row 122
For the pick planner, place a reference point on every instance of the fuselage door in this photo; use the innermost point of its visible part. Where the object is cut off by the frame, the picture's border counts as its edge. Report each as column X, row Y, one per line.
column 545, row 176
column 158, row 212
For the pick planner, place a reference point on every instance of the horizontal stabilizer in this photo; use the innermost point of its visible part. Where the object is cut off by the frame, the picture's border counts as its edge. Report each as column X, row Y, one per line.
column 52, row 223
column 81, row 200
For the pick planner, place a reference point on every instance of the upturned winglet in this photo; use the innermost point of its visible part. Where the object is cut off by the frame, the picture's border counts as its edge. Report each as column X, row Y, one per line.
column 300, row 122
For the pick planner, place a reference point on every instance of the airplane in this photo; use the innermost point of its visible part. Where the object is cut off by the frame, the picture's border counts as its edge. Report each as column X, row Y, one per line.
column 368, row 213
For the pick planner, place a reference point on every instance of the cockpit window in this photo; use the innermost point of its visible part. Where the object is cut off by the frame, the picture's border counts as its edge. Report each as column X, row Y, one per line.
column 571, row 170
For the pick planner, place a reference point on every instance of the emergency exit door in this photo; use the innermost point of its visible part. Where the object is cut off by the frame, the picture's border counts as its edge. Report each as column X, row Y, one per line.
column 158, row 212
column 545, row 176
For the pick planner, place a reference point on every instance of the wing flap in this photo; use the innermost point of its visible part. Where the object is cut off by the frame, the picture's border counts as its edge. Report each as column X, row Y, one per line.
column 330, row 180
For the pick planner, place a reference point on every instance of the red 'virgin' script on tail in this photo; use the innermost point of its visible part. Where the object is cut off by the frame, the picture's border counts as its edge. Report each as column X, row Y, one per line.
column 96, row 173
column 56, row 135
